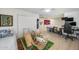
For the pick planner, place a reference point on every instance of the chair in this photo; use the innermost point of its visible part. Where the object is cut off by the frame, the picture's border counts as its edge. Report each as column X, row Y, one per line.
column 32, row 47
column 68, row 30
column 29, row 44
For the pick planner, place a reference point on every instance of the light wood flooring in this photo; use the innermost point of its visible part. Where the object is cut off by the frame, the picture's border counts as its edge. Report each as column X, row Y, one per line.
column 62, row 44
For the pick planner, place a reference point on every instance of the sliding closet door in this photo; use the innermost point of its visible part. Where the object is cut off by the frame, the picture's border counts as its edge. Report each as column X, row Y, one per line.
column 26, row 22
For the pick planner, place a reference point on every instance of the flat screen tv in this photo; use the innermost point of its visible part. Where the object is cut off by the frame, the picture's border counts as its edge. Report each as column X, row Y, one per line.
column 73, row 23
column 69, row 19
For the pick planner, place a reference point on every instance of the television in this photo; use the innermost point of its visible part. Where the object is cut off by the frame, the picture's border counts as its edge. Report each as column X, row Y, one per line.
column 73, row 23
column 69, row 19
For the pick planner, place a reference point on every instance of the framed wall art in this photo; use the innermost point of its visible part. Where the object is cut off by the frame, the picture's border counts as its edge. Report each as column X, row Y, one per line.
column 46, row 22
column 6, row 20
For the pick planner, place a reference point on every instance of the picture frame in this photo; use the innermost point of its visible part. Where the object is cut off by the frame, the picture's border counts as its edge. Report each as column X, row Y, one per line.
column 6, row 20
column 46, row 22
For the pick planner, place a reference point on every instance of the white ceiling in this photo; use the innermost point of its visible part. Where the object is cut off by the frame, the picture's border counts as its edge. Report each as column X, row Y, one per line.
column 54, row 11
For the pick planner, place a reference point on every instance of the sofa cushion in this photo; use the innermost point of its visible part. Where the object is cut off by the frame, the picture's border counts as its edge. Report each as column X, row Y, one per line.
column 28, row 39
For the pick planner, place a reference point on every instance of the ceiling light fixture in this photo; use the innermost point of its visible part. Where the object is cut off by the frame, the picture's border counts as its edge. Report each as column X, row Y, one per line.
column 47, row 10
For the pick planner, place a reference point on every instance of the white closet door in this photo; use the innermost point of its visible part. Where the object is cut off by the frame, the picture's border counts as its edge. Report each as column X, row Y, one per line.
column 26, row 22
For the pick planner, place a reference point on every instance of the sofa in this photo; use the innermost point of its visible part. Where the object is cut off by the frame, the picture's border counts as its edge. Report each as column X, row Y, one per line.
column 29, row 41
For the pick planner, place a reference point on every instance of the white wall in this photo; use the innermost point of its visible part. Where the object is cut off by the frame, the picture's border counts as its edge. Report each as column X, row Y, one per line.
column 16, row 13
column 53, row 22
column 25, row 22
column 44, row 27
column 73, row 14
column 58, row 22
